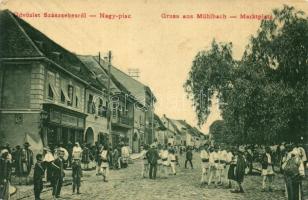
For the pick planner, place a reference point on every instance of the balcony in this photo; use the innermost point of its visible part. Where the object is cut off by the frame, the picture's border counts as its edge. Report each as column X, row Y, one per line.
column 123, row 121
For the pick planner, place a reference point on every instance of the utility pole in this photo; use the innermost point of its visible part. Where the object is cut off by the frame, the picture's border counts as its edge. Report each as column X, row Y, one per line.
column 108, row 96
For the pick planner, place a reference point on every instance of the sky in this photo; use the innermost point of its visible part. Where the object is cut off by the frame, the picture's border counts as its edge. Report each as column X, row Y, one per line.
column 161, row 48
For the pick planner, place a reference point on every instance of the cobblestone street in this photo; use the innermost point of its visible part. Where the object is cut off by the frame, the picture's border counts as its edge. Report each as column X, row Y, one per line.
column 128, row 184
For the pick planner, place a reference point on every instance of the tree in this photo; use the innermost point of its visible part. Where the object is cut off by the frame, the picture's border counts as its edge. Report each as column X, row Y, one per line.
column 264, row 94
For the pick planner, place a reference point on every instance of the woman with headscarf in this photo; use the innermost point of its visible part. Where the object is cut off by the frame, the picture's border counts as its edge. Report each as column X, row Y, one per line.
column 239, row 171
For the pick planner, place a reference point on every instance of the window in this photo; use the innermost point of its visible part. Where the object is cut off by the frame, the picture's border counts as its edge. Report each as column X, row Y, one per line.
column 70, row 95
column 50, row 92
column 62, row 97
column 76, row 102
column 100, row 107
column 91, row 105
column 77, row 96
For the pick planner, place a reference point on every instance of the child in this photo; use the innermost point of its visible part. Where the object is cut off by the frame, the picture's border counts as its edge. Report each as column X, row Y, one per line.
column 38, row 176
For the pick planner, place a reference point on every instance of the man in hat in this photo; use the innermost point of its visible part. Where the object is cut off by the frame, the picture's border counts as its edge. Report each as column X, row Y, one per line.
column 48, row 158
column 58, row 174
column 76, row 173
column 38, row 176
column 152, row 156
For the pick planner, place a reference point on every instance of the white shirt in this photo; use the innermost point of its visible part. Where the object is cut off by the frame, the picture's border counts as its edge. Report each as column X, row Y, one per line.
column 213, row 157
column 204, row 154
column 302, row 153
column 269, row 158
column 223, row 155
column 229, row 157
column 164, row 154
column 76, row 154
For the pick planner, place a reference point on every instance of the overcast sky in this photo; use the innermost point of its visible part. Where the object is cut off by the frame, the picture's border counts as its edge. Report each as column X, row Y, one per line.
column 162, row 49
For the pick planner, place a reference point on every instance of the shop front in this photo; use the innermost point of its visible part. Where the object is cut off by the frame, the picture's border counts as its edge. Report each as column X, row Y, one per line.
column 62, row 126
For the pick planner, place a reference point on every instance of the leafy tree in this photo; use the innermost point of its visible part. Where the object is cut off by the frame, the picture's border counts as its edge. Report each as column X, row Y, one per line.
column 264, row 94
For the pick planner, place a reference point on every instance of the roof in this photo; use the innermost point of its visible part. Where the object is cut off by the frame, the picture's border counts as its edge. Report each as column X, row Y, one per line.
column 18, row 39
column 137, row 89
column 98, row 72
column 193, row 130
column 160, row 123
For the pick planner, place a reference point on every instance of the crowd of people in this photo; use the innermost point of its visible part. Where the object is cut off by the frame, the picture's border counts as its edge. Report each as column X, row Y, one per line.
column 221, row 165
column 226, row 165
column 51, row 164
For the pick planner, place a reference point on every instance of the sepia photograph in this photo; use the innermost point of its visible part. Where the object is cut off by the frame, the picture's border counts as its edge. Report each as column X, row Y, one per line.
column 153, row 100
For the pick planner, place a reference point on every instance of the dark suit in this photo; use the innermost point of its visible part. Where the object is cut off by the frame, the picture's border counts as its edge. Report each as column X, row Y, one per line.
column 57, row 176
column 5, row 171
column 38, row 175
column 152, row 156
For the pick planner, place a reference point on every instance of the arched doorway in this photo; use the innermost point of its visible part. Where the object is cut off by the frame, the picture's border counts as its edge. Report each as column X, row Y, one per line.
column 89, row 137
column 135, row 143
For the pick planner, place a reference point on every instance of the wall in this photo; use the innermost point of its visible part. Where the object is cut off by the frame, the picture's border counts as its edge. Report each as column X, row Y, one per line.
column 93, row 120
column 21, row 99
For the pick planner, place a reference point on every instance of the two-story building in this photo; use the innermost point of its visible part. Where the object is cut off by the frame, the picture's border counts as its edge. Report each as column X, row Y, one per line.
column 138, row 119
column 42, row 87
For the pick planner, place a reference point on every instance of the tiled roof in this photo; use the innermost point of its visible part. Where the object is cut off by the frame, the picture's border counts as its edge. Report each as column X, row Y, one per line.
column 136, row 89
column 192, row 130
column 13, row 41
column 161, row 124
column 98, row 72
column 19, row 39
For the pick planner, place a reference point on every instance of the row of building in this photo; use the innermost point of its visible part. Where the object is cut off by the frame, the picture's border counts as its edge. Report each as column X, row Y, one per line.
column 51, row 96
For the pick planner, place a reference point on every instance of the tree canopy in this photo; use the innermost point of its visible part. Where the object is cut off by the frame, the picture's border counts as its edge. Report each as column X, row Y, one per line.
column 264, row 95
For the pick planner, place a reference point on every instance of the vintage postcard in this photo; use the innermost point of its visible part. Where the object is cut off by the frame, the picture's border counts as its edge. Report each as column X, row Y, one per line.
column 153, row 99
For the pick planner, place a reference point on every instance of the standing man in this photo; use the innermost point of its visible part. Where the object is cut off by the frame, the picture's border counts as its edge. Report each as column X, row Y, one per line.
column 105, row 162
column 58, row 174
column 115, row 158
column 189, row 157
column 267, row 170
column 152, row 156
column 76, row 168
column 213, row 160
column 48, row 158
column 39, row 172
column 204, row 154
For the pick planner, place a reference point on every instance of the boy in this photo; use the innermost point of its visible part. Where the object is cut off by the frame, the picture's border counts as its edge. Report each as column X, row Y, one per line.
column 38, row 176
